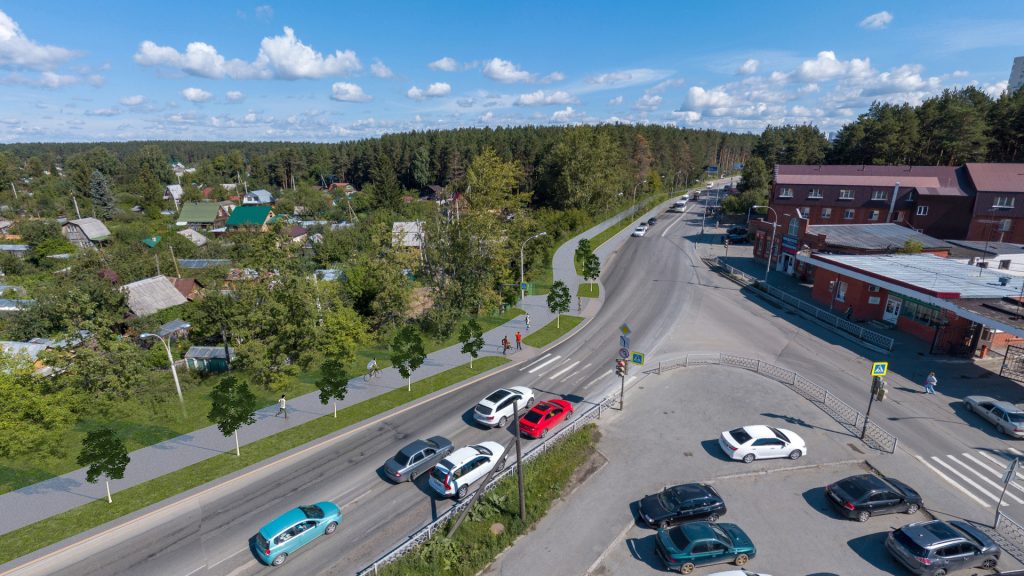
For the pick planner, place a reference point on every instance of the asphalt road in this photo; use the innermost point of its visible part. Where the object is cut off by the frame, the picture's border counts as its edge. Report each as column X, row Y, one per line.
column 209, row 533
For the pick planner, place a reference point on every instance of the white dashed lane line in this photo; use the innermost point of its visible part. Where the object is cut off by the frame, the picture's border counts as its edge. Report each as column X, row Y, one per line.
column 544, row 364
column 535, row 361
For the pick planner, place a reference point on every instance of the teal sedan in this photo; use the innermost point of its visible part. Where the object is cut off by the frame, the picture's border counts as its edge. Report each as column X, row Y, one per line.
column 687, row 546
column 294, row 529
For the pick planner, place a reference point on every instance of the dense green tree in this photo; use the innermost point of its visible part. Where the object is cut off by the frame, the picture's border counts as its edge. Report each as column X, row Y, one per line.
column 407, row 353
column 591, row 268
column 101, row 196
column 584, row 170
column 386, row 189
column 104, row 454
column 232, row 405
column 803, row 144
column 755, row 176
column 34, row 420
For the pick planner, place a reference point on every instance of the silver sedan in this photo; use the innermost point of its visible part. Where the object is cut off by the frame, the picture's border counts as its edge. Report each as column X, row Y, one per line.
column 1006, row 417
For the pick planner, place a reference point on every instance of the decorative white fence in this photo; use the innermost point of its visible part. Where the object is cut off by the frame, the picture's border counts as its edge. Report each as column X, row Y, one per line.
column 806, row 308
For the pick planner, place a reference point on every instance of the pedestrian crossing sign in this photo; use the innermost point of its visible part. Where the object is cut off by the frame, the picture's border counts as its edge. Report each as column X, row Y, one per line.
column 879, row 368
column 638, row 358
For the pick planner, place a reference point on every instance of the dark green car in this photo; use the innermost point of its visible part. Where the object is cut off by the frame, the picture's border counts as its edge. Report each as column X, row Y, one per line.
column 687, row 546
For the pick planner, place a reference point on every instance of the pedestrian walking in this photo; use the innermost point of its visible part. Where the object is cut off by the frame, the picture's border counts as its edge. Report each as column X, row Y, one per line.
column 930, row 383
column 527, row 321
column 282, row 407
column 579, row 304
column 849, row 312
column 505, row 345
column 519, row 340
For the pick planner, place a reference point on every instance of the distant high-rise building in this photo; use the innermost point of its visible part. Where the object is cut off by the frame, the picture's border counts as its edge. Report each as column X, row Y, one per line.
column 1017, row 74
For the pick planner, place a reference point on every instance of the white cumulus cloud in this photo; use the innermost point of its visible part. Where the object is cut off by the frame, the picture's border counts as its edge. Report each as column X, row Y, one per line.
column 445, row 64
column 379, row 70
column 686, row 115
column 827, row 67
column 505, row 71
column 235, row 96
column 55, row 80
column 749, row 67
column 648, row 102
column 564, row 115
column 541, row 97
column 133, row 100
column 347, row 92
column 699, row 98
column 196, row 94
column 616, row 101
column 877, row 20
column 435, row 90
column 18, row 51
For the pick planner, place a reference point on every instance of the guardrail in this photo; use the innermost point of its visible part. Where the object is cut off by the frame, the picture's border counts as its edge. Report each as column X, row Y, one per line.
column 849, row 417
column 804, row 307
column 424, row 533
column 1013, row 533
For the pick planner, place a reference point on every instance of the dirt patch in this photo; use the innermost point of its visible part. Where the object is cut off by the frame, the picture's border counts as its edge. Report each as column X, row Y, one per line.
column 595, row 462
column 420, row 301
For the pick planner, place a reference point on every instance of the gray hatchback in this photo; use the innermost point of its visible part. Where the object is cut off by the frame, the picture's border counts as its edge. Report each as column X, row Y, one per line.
column 936, row 548
column 417, row 458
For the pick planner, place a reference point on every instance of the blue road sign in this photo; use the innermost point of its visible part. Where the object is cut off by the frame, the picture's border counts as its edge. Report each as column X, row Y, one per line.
column 638, row 358
column 712, row 169
column 879, row 368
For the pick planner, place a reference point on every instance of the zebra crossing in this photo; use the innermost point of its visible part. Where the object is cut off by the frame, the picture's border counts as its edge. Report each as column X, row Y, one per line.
column 979, row 474
column 564, row 370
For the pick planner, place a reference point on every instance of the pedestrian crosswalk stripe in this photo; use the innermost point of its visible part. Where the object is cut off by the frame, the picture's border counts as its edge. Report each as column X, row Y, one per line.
column 580, row 371
column 1001, row 463
column 998, row 475
column 1015, row 451
column 964, row 478
column 954, row 483
column 538, row 360
column 591, row 383
column 986, row 479
column 564, row 370
column 544, row 364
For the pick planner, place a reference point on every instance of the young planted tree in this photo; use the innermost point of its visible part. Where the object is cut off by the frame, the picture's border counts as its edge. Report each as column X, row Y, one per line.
column 105, row 455
column 558, row 300
column 407, row 352
column 591, row 269
column 582, row 249
column 337, row 339
column 233, row 406
column 472, row 338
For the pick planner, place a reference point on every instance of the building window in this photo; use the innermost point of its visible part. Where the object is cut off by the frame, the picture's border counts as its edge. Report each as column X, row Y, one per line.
column 919, row 312
column 1004, row 264
column 873, row 216
column 846, row 194
column 879, row 194
column 786, row 193
column 803, row 212
column 1003, row 202
column 848, row 214
column 826, row 213
column 814, row 194
column 794, row 226
column 910, row 196
column 922, row 210
column 841, row 292
column 873, row 288
column 899, row 216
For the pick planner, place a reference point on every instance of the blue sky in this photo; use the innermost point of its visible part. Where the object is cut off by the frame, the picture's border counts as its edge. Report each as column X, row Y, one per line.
column 328, row 71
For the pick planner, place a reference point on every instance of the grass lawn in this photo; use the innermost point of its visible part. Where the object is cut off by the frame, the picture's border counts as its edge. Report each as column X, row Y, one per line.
column 474, row 546
column 589, row 290
column 56, row 528
column 141, row 423
column 553, row 331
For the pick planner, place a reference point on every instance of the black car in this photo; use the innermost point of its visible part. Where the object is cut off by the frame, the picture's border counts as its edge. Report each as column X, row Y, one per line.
column 863, row 496
column 936, row 548
column 735, row 238
column 737, row 230
column 417, row 458
column 682, row 503
column 652, row 221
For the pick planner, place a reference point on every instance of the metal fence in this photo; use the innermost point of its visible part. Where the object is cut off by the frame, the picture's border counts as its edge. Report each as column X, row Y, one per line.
column 1012, row 536
column 847, row 416
column 808, row 309
column 423, row 534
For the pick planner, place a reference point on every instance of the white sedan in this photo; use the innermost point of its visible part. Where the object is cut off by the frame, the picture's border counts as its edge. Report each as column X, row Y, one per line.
column 751, row 443
column 496, row 408
column 639, row 231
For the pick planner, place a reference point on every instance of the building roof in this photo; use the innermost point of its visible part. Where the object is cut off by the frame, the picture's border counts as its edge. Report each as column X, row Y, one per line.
column 296, row 231
column 92, row 228
column 203, row 262
column 187, row 286
column 409, row 234
column 174, row 191
column 992, row 248
column 208, row 352
column 928, row 180
column 196, row 238
column 152, row 295
column 198, row 213
column 11, row 305
column 329, row 274
column 15, row 247
column 30, row 349
column 249, row 216
column 171, row 327
column 262, row 196
column 152, row 241
column 5, row 223
column 997, row 177
column 880, row 236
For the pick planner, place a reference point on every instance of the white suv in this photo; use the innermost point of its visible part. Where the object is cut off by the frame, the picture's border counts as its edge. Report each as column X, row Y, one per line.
column 496, row 408
column 453, row 475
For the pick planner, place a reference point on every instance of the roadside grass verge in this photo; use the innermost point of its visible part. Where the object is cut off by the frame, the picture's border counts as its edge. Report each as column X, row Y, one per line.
column 156, row 417
column 56, row 528
column 553, row 331
column 589, row 290
column 474, row 546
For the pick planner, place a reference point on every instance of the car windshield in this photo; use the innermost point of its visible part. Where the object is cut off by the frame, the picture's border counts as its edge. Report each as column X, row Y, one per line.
column 485, row 410
column 778, row 434
column 679, row 538
column 908, row 544
column 261, row 542
column 312, row 511
column 482, row 449
column 532, row 417
column 740, row 435
column 402, row 458
column 1015, row 417
column 722, row 536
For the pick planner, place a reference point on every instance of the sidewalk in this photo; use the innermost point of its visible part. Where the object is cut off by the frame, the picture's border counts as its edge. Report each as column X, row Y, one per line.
column 50, row 497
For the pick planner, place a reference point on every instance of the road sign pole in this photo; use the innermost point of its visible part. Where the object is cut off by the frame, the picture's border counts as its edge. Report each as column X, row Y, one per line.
column 1008, row 476
column 876, row 383
column 622, row 393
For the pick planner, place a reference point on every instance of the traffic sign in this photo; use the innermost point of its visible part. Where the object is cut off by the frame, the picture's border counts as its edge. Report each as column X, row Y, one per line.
column 522, row 286
column 638, row 358
column 624, row 328
column 1011, row 471
column 879, row 368
column 623, row 353
column 712, row 169
column 624, row 341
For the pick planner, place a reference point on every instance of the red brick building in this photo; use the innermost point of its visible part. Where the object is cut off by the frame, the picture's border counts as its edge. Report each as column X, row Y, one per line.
column 997, row 216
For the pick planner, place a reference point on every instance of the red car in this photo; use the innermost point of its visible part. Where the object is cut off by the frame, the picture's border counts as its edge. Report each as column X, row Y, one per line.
column 544, row 416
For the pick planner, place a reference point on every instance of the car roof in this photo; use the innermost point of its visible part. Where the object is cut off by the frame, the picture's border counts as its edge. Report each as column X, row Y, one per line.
column 504, row 393
column 978, row 399
column 546, row 405
column 465, row 454
column 697, row 531
column 282, row 522
column 1008, row 406
column 759, row 431
column 931, row 533
column 693, row 491
column 414, row 447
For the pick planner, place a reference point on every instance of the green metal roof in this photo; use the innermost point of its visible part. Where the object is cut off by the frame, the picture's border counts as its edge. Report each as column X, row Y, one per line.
column 199, row 212
column 248, row 216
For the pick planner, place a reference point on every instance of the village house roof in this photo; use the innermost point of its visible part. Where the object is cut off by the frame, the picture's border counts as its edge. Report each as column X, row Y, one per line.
column 171, row 327
column 198, row 213
column 208, row 352
column 152, row 295
column 174, row 191
column 408, row 234
column 260, row 196
column 996, row 177
column 249, row 216
column 196, row 238
column 93, row 229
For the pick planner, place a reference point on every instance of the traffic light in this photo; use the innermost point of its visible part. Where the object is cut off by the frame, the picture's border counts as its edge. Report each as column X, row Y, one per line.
column 621, row 368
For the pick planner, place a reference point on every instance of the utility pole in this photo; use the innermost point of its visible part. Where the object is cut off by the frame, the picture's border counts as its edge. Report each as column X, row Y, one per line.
column 519, row 462
column 877, row 390
column 77, row 211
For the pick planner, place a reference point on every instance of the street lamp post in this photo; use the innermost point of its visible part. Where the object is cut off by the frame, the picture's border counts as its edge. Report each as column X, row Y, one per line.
column 522, row 270
column 771, row 245
column 634, row 194
column 170, row 358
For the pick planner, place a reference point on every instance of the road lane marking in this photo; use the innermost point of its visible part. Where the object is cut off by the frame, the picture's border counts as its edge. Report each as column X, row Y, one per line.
column 363, row 495
column 534, row 362
column 563, row 370
column 589, row 384
column 196, row 570
column 997, row 473
column 952, row 482
column 585, row 366
column 226, row 558
column 987, row 480
column 965, row 478
column 543, row 365
column 999, row 462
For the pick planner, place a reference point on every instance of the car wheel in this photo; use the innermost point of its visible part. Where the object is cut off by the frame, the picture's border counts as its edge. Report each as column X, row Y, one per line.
column 331, row 528
column 939, row 572
column 279, row 559
column 503, row 422
column 568, row 415
column 712, row 518
column 529, row 403
column 795, row 454
column 686, row 568
column 969, row 406
column 741, row 559
column 543, row 433
column 912, row 508
column 748, row 458
column 463, row 490
column 863, row 516
column 989, row 564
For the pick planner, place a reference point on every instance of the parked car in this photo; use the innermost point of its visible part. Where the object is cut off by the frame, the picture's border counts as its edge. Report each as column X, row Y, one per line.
column 639, row 231
column 1006, row 417
column 865, row 495
column 652, row 221
column 544, row 416
column 693, row 544
column 737, row 230
column 453, row 475
column 682, row 503
column 496, row 408
column 735, row 238
column 294, row 529
column 936, row 547
column 759, row 442
column 416, row 458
